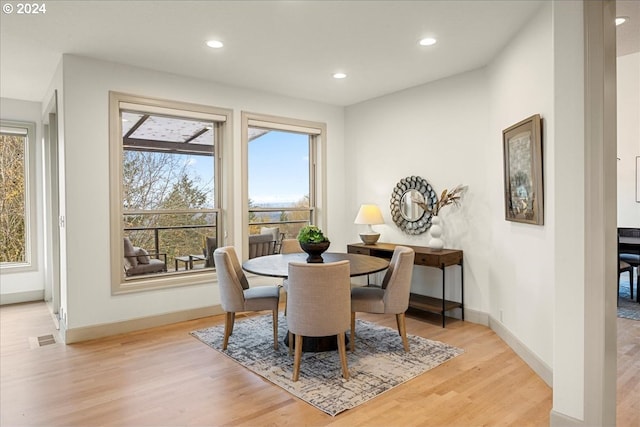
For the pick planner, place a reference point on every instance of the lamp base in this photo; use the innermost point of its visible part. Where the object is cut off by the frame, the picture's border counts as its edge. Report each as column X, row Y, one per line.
column 369, row 238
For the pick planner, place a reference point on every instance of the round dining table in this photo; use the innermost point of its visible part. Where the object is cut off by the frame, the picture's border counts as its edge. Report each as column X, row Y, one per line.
column 278, row 266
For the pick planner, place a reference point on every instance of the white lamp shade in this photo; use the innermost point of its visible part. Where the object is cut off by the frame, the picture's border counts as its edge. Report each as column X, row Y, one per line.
column 369, row 214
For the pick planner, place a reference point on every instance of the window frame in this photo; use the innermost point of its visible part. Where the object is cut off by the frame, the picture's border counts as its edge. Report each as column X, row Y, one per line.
column 30, row 226
column 121, row 101
column 317, row 163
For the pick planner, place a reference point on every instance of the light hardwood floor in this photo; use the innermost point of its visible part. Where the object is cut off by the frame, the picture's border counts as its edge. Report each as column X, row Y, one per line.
column 164, row 377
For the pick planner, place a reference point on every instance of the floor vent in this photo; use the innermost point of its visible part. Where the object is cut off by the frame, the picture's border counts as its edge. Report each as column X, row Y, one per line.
column 46, row 340
column 41, row 341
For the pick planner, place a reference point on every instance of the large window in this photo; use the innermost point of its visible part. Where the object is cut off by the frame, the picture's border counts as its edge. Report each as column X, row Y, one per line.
column 17, row 146
column 281, row 173
column 169, row 179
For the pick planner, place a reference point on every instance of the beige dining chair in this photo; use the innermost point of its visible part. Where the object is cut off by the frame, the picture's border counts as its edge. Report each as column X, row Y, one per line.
column 391, row 298
column 290, row 246
column 319, row 306
column 236, row 295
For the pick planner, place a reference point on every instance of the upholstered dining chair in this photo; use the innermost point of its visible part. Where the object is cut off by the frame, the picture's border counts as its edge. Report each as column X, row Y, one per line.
column 290, row 246
column 236, row 295
column 391, row 298
column 318, row 299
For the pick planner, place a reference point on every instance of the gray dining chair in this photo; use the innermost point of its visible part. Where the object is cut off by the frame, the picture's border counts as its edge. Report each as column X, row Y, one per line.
column 236, row 295
column 391, row 298
column 261, row 245
column 318, row 306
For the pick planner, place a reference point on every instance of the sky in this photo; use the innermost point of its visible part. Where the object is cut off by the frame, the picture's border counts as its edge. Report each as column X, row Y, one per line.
column 278, row 168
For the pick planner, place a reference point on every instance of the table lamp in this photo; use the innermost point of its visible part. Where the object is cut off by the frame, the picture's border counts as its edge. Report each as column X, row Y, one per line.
column 369, row 215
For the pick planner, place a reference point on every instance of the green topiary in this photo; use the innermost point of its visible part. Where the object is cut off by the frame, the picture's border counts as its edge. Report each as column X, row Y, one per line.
column 311, row 234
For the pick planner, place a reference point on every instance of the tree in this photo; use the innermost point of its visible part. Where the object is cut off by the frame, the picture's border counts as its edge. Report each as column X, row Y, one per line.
column 12, row 199
column 165, row 182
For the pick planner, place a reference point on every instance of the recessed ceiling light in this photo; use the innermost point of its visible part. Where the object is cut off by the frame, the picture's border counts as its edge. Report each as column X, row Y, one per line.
column 429, row 41
column 216, row 44
column 621, row 20
column 339, row 75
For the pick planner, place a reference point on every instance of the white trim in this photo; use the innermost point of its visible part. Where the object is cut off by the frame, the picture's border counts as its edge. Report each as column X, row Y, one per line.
column 20, row 297
column 85, row 333
column 538, row 365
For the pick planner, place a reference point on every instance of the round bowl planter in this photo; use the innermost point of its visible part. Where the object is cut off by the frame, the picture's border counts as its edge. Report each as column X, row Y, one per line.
column 315, row 250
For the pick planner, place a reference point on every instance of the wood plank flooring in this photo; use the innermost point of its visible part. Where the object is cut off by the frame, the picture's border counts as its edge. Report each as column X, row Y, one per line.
column 164, row 377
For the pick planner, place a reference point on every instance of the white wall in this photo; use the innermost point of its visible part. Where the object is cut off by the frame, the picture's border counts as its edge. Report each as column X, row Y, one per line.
column 86, row 147
column 628, row 138
column 450, row 132
column 521, row 265
column 437, row 131
column 26, row 285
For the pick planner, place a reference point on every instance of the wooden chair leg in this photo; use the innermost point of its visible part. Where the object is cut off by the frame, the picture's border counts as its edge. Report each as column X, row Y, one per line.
column 297, row 357
column 352, row 341
column 228, row 328
column 291, row 343
column 275, row 329
column 343, row 355
column 402, row 328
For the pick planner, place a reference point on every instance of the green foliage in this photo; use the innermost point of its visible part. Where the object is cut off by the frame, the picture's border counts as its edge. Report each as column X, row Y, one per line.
column 164, row 184
column 12, row 199
column 311, row 234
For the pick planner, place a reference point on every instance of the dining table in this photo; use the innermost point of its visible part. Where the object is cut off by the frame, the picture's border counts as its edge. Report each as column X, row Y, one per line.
column 278, row 266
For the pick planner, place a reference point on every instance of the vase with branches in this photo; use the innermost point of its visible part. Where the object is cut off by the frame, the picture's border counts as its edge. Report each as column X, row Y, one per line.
column 448, row 197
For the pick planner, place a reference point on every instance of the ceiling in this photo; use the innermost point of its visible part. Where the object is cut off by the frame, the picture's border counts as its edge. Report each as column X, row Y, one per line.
column 290, row 48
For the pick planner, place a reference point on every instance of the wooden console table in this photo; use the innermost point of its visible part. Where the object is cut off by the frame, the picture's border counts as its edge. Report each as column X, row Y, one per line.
column 425, row 257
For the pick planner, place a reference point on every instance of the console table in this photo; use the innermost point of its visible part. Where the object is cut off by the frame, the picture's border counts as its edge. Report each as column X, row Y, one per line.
column 425, row 257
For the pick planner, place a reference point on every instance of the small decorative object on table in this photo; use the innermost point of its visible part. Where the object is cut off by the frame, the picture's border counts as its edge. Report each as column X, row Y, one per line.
column 313, row 242
column 446, row 198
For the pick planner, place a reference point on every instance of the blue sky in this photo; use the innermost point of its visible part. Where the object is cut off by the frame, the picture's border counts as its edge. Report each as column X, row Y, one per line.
column 278, row 165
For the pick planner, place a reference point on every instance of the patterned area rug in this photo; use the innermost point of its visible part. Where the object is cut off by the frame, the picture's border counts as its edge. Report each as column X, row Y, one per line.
column 378, row 364
column 627, row 308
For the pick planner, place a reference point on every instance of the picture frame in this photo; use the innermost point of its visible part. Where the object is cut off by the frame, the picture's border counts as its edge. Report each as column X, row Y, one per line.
column 523, row 180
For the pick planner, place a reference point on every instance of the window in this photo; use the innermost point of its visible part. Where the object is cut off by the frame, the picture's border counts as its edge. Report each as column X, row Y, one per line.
column 17, row 194
column 282, row 169
column 168, row 175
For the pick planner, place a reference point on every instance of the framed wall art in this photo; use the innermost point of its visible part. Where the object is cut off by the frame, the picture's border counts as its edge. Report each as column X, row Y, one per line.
column 523, row 184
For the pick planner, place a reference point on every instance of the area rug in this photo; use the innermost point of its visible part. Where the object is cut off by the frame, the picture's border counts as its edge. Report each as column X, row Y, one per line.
column 627, row 308
column 378, row 364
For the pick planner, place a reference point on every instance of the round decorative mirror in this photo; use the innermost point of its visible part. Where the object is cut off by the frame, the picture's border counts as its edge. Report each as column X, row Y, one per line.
column 407, row 204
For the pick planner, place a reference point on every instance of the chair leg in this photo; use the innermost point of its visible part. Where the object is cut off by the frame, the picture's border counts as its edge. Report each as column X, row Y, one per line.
column 352, row 341
column 291, row 343
column 402, row 328
column 275, row 329
column 297, row 357
column 343, row 355
column 228, row 328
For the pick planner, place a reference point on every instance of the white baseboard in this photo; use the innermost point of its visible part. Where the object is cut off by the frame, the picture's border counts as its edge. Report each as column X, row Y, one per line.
column 85, row 333
column 557, row 419
column 543, row 370
column 477, row 317
column 19, row 297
